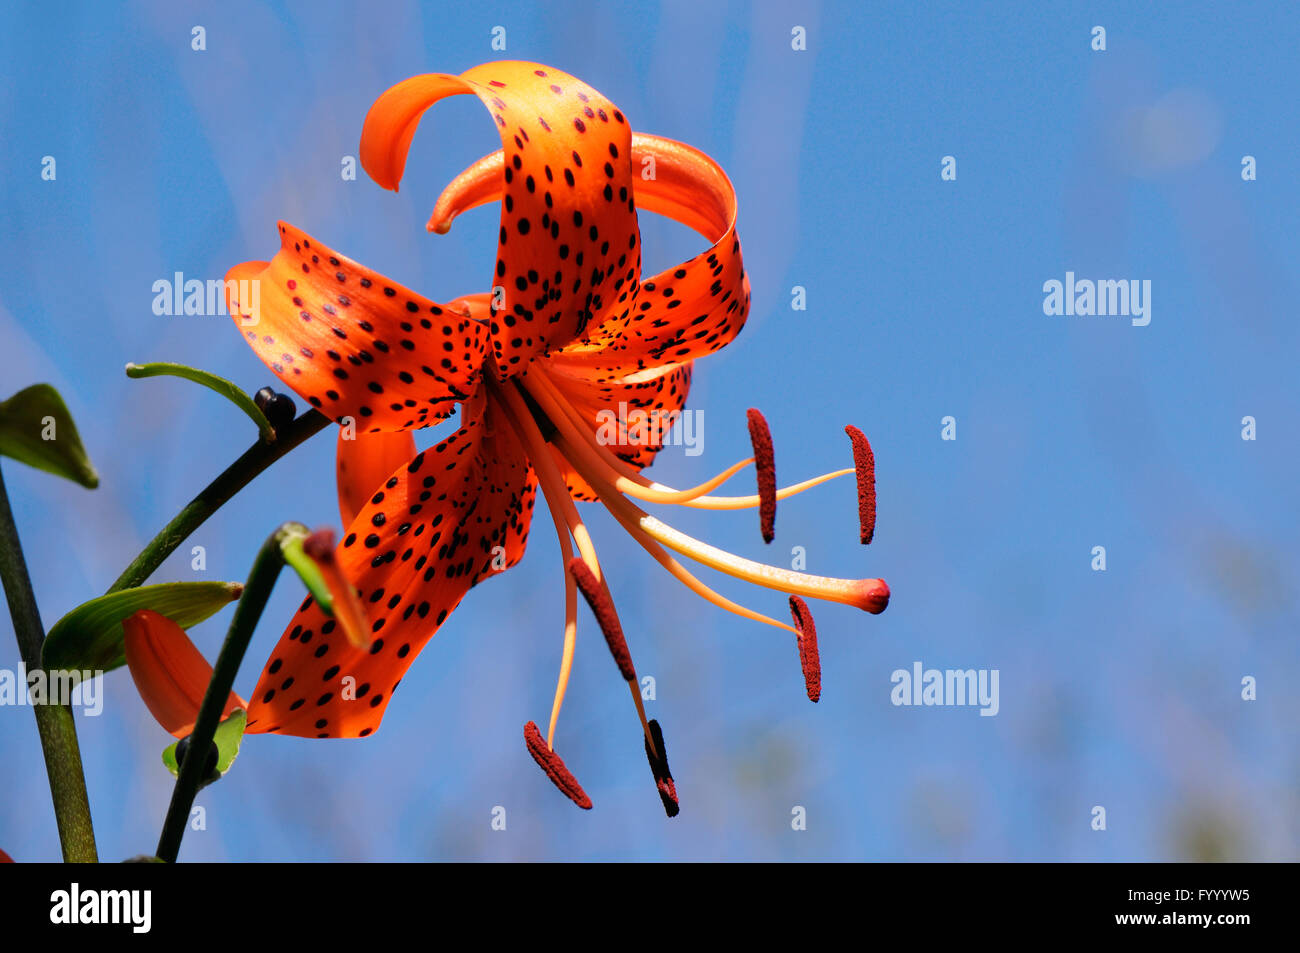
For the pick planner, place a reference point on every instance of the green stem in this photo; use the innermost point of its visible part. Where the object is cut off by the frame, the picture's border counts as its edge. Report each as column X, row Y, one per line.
column 237, row 476
column 54, row 723
column 261, row 579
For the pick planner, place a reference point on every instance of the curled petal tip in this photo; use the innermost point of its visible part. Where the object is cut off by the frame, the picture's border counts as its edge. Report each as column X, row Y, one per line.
column 347, row 608
column 864, row 461
column 603, row 609
column 809, row 657
column 765, row 470
column 480, row 183
column 658, row 758
column 553, row 765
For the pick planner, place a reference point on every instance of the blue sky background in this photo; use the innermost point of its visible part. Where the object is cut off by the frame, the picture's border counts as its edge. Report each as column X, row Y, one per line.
column 1120, row 689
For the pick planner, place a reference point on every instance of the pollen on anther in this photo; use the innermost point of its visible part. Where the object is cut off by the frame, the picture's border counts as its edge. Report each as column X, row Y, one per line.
column 765, row 470
column 553, row 765
column 865, row 463
column 809, row 659
column 659, row 768
column 602, row 607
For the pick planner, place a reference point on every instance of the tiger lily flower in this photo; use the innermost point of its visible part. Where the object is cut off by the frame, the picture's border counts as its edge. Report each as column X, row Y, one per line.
column 569, row 329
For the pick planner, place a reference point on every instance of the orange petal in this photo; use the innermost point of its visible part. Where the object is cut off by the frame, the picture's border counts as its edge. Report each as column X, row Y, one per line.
column 631, row 418
column 364, row 462
column 689, row 311
column 352, row 342
column 567, row 255
column 457, row 514
column 678, row 315
column 170, row 673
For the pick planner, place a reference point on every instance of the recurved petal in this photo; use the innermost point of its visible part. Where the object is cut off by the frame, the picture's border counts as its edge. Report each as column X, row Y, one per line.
column 678, row 315
column 169, row 672
column 686, row 312
column 363, row 462
column 453, row 516
column 568, row 248
column 351, row 342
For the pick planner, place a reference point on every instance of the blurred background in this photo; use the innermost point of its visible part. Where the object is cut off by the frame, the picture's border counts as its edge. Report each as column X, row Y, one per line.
column 1119, row 689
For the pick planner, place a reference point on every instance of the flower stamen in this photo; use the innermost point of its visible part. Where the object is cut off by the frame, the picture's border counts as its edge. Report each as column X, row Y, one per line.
column 765, row 469
column 871, row 595
column 602, row 607
column 577, row 438
column 570, row 626
column 809, row 658
column 549, row 480
column 864, row 462
column 684, row 576
column 657, row 755
column 554, row 766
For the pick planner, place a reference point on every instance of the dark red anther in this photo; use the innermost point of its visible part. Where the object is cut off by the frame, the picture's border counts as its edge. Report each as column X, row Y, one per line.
column 554, row 767
column 865, row 462
column 663, row 774
column 809, row 658
column 603, row 609
column 765, row 469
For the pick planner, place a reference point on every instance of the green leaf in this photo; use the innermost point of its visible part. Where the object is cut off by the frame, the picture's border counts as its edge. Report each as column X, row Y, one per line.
column 90, row 637
column 228, row 737
column 36, row 428
column 227, row 389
